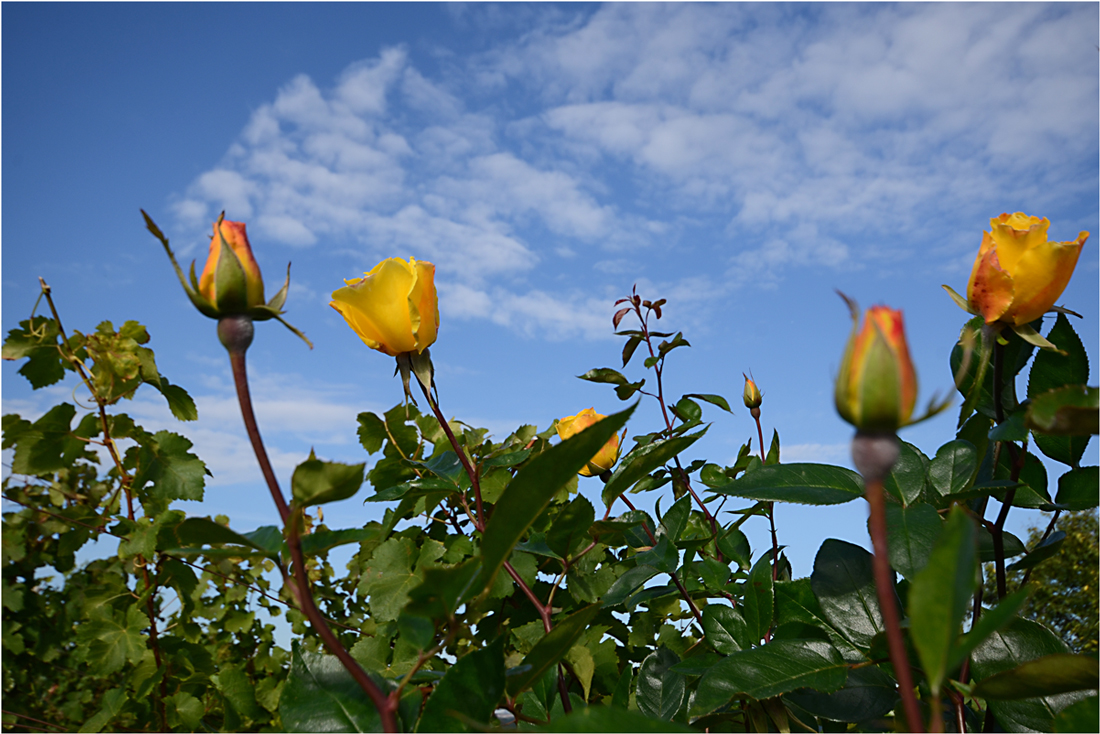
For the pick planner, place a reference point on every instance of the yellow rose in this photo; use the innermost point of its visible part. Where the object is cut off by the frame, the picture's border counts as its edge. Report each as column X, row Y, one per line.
column 394, row 307
column 1019, row 274
column 876, row 389
column 231, row 280
column 606, row 457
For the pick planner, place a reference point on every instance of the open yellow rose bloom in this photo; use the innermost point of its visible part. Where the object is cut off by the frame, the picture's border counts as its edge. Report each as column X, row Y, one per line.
column 1019, row 274
column 606, row 457
column 394, row 307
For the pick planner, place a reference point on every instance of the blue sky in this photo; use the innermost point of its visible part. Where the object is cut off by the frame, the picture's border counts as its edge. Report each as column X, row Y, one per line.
column 742, row 161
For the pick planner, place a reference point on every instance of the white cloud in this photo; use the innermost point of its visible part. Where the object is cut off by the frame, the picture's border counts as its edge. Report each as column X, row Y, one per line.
column 818, row 453
column 758, row 138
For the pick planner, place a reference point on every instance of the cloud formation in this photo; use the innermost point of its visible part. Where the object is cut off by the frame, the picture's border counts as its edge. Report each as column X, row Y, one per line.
column 776, row 135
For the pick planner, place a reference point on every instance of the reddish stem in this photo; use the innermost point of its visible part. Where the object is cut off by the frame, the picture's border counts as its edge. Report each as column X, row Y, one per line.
column 470, row 471
column 771, row 505
column 543, row 610
column 385, row 705
column 675, row 580
column 659, row 371
column 884, row 584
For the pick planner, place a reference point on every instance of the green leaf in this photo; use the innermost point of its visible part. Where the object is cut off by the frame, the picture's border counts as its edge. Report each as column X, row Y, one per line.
column 1016, row 354
column 195, row 532
column 1041, row 552
column 320, row 695
column 535, row 485
column 1046, row 676
column 725, row 629
column 443, row 590
column 112, row 706
column 469, row 691
column 624, row 388
column 625, row 586
column 611, row 719
column 664, row 557
column 1068, row 366
column 1067, row 411
column 37, row 341
column 844, row 584
column 675, row 520
column 907, row 478
column 320, row 541
column 1079, row 489
column 807, row 484
column 175, row 473
column 758, row 606
column 1081, row 716
column 660, row 691
column 396, row 568
column 911, row 533
column 954, row 467
column 47, row 445
column 1013, row 546
column 772, row 457
column 687, row 410
column 116, row 643
column 184, row 711
column 551, row 648
column 239, row 691
column 605, row 375
column 677, row 340
column 868, row 694
column 1019, row 642
column 641, row 461
column 510, row 458
column 316, row 482
column 1052, row 370
column 990, row 621
column 179, row 401
column 779, row 667
column 940, row 594
column 733, row 544
column 569, row 532
column 372, row 432
column 1066, row 449
column 629, row 348
column 1014, row 428
column 717, row 400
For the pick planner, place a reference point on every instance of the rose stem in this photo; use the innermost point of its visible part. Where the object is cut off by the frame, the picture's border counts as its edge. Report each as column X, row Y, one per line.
column 658, row 368
column 874, row 454
column 382, row 702
column 771, row 505
column 474, row 479
column 675, row 580
column 884, row 584
column 542, row 609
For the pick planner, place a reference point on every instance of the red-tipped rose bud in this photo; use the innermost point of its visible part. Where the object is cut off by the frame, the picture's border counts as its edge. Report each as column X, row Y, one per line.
column 752, row 395
column 876, row 389
column 231, row 285
column 231, row 280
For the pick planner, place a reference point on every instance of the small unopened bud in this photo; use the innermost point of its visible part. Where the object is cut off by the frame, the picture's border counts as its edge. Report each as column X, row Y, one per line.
column 876, row 387
column 752, row 395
